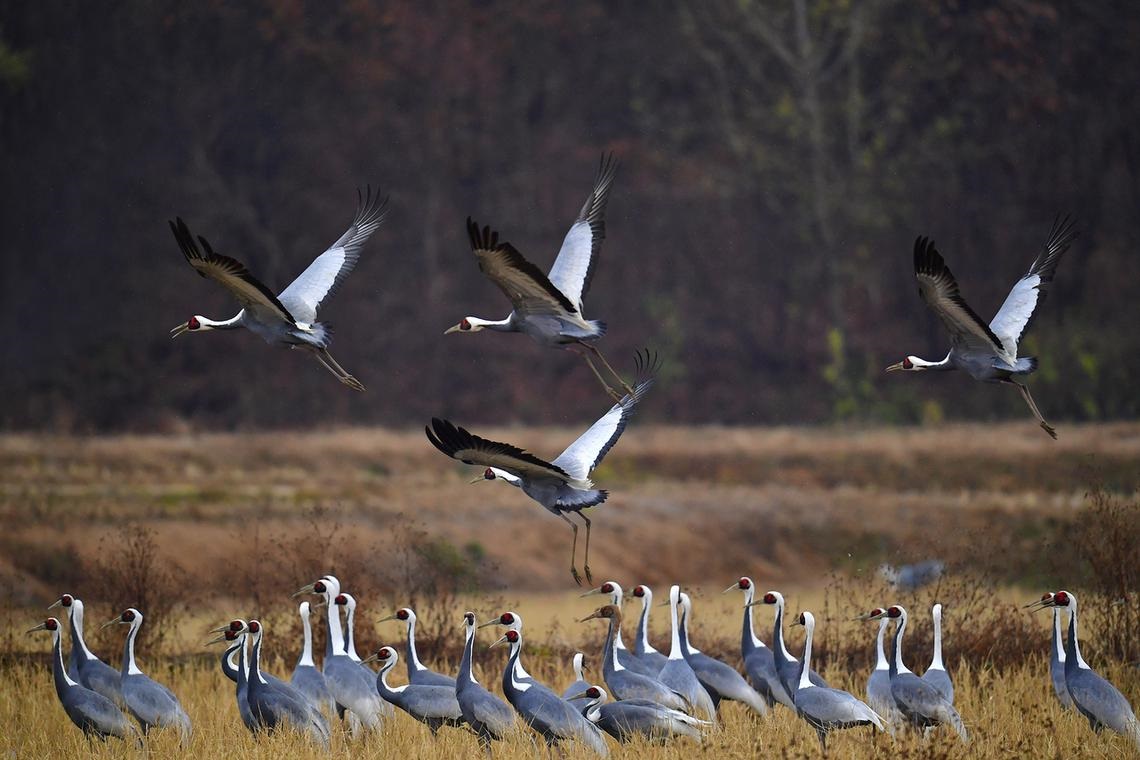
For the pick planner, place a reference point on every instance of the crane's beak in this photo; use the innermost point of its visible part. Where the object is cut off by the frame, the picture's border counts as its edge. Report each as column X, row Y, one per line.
column 304, row 590
column 502, row 640
column 216, row 640
column 894, row 367
column 110, row 623
column 473, row 481
column 385, row 620
column 580, row 695
column 1040, row 604
column 370, row 658
column 40, row 627
column 489, row 622
column 184, row 327
column 591, row 592
column 880, row 616
column 865, row 616
column 794, row 623
column 450, row 330
column 56, row 603
column 733, row 587
column 594, row 614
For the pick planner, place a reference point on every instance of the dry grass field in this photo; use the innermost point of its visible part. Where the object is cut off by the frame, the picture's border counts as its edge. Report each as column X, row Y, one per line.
column 196, row 529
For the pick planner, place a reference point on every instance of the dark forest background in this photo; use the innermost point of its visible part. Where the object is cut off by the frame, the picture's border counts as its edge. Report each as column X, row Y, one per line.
column 777, row 161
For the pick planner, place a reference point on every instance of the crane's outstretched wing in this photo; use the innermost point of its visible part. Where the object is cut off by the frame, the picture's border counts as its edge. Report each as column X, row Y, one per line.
column 1016, row 313
column 457, row 443
column 230, row 274
column 320, row 280
column 524, row 284
column 937, row 286
column 574, row 267
column 581, row 457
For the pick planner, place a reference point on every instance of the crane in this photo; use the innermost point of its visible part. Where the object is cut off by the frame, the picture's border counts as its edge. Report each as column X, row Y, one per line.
column 562, row 486
column 628, row 684
column 306, row 677
column 720, row 680
column 936, row 674
column 677, row 673
column 987, row 352
column 151, row 703
column 627, row 658
column 93, row 713
column 549, row 308
column 879, row 695
column 418, row 673
column 432, row 705
column 641, row 646
column 289, row 318
column 918, row 702
column 279, row 705
column 1094, row 697
column 759, row 662
column 83, row 666
column 632, row 718
column 580, row 684
column 348, row 601
column 787, row 666
column 234, row 667
column 826, row 709
column 1056, row 652
column 540, row 708
column 489, row 717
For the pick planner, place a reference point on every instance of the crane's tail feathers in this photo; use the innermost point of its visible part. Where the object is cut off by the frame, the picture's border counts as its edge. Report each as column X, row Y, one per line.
column 598, row 327
column 322, row 333
column 1026, row 365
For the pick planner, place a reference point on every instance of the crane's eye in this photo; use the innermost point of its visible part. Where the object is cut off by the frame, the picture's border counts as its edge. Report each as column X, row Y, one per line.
column 1047, row 596
column 319, row 587
column 66, row 600
column 506, row 618
column 745, row 583
column 340, row 599
column 593, row 693
column 894, row 612
column 488, row 474
column 607, row 588
column 236, row 625
column 51, row 624
column 402, row 614
column 769, row 599
column 192, row 323
column 465, row 325
column 876, row 611
column 907, row 364
column 128, row 616
column 254, row 626
column 512, row 636
column 470, row 618
column 231, row 635
column 1061, row 599
column 638, row 591
column 803, row 620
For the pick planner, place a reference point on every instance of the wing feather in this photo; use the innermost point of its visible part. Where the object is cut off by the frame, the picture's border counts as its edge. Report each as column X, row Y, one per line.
column 574, row 267
column 320, row 279
column 230, row 274
column 939, row 289
column 459, row 444
column 1016, row 312
column 524, row 284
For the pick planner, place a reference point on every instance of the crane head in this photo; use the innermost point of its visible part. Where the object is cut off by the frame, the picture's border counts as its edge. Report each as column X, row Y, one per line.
column 469, row 619
column 909, row 364
column 743, row 584
column 194, row 323
column 1046, row 600
column 510, row 637
column 608, row 612
column 592, row 693
column 467, row 324
column 874, row 614
column 64, row 601
column 51, row 624
column 1062, row 599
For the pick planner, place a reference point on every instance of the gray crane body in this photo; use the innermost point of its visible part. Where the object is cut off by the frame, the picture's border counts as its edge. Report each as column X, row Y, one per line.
column 152, row 704
column 1057, row 663
column 630, row 719
column 936, row 674
column 787, row 666
column 720, row 680
column 278, row 705
column 879, row 695
column 435, row 706
column 918, row 702
column 678, row 674
column 759, row 661
column 627, row 684
column 489, row 717
column 306, row 678
column 641, row 646
column 418, row 673
column 83, row 666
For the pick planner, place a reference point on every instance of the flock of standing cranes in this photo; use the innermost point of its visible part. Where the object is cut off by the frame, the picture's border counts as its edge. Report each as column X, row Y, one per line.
column 654, row 696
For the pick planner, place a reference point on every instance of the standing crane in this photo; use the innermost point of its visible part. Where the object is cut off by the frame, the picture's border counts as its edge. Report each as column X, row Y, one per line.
column 918, row 702
column 279, row 705
column 987, row 352
column 719, row 679
column 1056, row 652
column 787, row 666
column 289, row 318
column 432, row 705
column 825, row 708
column 306, row 677
column 1094, row 697
column 630, row 660
column 562, row 486
column 936, row 674
column 418, row 673
column 549, row 308
column 234, row 667
column 489, row 717
column 540, row 708
column 641, row 646
column 632, row 718
column 93, row 713
column 83, row 665
column 759, row 662
column 879, row 695
column 151, row 703
column 677, row 673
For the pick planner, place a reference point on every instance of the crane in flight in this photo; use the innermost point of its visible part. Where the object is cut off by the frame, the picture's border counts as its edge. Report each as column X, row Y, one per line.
column 987, row 352
column 289, row 318
column 548, row 308
column 562, row 485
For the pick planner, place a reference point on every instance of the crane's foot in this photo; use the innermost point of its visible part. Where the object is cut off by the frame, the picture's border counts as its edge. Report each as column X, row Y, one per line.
column 574, row 572
column 589, row 576
column 1049, row 429
column 353, row 383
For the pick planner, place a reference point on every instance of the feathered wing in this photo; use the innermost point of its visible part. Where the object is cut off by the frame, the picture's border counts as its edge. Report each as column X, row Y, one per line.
column 230, row 274
column 581, row 457
column 459, row 444
column 524, row 284
column 574, row 267
column 1016, row 313
column 939, row 289
column 320, row 279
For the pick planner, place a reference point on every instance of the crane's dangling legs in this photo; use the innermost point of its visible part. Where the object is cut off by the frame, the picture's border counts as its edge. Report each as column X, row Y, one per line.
column 1033, row 408
column 586, row 559
column 594, row 349
column 573, row 549
column 609, row 389
column 325, row 358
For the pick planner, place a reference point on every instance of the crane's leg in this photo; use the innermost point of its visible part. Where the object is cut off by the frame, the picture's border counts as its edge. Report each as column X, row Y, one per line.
column 325, row 358
column 594, row 350
column 586, row 560
column 573, row 549
column 1033, row 408
column 609, row 389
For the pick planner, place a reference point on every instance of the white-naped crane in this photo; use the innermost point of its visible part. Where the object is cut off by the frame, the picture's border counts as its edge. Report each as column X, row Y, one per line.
column 418, row 673
column 987, row 352
column 1093, row 696
column 627, row 658
column 1056, row 652
column 563, row 485
column 879, row 695
column 93, row 713
column 628, row 719
column 83, row 666
column 290, row 317
column 234, row 667
column 677, row 673
column 152, row 704
column 787, row 666
column 644, row 650
column 824, row 708
column 759, row 662
column 306, row 677
column 548, row 308
column 936, row 674
column 720, row 679
column 489, row 717
column 918, row 702
column 433, row 705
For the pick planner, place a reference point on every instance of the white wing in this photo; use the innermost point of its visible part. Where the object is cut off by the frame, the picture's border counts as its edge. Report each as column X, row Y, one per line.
column 574, row 267
column 937, row 286
column 1014, row 316
column 319, row 281
column 581, row 457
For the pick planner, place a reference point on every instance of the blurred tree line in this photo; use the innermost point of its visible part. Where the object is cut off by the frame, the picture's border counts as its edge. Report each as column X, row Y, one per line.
column 778, row 160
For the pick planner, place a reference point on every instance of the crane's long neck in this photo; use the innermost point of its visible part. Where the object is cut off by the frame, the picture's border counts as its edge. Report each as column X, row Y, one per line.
column 229, row 660
column 410, row 646
column 880, row 656
column 939, row 366
column 897, row 665
column 778, row 631
column 1058, row 642
column 465, row 674
column 255, row 676
column 382, row 682
column 498, row 325
column 936, row 660
column 643, row 644
column 77, row 640
column 232, row 323
column 805, row 667
column 749, row 642
column 349, row 624
column 675, row 651
column 686, row 645
column 612, row 661
column 334, row 645
column 1073, row 657
column 59, row 674
column 130, row 667
column 242, row 663
column 514, row 673
column 306, row 658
